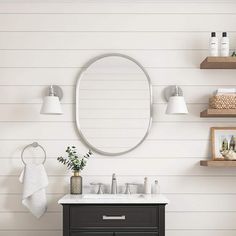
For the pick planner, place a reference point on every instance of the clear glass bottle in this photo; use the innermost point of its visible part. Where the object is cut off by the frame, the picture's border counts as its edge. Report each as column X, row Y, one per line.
column 76, row 185
column 156, row 188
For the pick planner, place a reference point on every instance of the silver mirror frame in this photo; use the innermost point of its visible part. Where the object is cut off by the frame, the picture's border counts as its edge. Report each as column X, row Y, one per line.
column 80, row 75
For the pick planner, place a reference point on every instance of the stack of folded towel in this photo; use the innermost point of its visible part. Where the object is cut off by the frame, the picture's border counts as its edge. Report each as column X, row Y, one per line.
column 224, row 98
column 226, row 91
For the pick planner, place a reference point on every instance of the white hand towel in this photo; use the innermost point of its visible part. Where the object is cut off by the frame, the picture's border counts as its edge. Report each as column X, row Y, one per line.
column 34, row 180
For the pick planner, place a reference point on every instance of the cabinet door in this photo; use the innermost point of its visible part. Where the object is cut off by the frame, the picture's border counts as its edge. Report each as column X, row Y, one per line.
column 136, row 234
column 91, row 234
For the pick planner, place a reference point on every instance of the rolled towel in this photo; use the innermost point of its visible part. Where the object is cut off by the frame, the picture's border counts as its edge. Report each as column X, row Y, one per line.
column 34, row 180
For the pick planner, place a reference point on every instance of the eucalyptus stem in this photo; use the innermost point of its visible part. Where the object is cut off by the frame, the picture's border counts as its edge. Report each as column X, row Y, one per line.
column 74, row 161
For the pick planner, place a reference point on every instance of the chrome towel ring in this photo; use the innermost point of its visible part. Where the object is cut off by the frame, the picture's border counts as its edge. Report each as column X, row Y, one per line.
column 35, row 145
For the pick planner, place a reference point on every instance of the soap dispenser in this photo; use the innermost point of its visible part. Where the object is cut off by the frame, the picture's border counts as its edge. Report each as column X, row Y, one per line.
column 147, row 186
column 224, row 45
column 213, row 45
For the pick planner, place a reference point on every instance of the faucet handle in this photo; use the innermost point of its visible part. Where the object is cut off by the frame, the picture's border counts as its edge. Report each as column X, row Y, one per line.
column 127, row 188
column 100, row 191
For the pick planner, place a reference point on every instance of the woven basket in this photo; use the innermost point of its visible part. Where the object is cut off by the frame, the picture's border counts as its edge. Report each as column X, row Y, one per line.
column 223, row 102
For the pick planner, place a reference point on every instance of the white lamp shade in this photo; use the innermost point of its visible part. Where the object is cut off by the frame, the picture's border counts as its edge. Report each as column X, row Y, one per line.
column 51, row 106
column 176, row 105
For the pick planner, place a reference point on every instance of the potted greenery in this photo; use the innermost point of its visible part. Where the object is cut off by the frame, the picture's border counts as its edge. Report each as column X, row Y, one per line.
column 76, row 163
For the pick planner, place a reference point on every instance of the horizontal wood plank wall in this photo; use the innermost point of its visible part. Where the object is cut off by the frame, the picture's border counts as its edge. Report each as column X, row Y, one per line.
column 47, row 42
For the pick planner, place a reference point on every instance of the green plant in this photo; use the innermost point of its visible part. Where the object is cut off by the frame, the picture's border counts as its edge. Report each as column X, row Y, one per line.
column 73, row 161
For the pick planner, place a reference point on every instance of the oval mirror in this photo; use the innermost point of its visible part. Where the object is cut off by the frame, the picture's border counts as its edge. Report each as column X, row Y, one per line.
column 113, row 104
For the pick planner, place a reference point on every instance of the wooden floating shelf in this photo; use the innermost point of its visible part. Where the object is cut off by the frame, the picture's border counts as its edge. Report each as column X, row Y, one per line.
column 219, row 63
column 218, row 113
column 218, row 163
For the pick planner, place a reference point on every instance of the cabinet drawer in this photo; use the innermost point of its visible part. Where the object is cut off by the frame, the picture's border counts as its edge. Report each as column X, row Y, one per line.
column 91, row 234
column 136, row 234
column 113, row 216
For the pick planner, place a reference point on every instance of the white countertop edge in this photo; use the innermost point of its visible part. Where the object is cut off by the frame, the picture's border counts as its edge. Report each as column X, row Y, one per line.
column 121, row 199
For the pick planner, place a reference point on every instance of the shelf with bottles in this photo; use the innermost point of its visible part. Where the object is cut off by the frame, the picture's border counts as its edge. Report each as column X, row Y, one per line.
column 219, row 53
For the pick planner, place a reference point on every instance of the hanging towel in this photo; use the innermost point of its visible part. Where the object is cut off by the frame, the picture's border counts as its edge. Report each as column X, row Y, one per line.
column 34, row 180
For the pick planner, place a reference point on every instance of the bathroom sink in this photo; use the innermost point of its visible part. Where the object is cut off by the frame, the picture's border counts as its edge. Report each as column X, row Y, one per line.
column 113, row 196
column 113, row 199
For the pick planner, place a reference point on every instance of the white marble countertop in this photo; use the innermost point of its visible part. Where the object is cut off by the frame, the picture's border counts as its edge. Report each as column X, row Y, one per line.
column 114, row 199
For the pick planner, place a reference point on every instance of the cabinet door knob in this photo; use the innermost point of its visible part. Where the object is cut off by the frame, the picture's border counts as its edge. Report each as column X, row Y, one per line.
column 104, row 217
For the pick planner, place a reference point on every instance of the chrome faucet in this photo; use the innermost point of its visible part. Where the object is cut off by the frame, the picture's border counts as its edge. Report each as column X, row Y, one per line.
column 114, row 184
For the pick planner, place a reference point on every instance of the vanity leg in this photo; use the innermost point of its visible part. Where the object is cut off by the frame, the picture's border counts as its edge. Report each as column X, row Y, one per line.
column 66, row 220
column 161, row 220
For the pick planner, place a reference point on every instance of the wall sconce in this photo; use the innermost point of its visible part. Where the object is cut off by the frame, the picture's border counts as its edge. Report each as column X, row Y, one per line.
column 176, row 103
column 51, row 102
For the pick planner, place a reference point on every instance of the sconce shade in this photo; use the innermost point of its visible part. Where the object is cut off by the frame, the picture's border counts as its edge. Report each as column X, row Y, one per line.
column 51, row 106
column 176, row 105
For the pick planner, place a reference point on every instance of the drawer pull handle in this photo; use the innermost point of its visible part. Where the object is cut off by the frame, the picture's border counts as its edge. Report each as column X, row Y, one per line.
column 113, row 217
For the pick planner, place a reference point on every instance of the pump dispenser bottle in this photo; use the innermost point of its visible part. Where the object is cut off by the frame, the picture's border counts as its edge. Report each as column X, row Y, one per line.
column 147, row 186
column 224, row 45
column 213, row 45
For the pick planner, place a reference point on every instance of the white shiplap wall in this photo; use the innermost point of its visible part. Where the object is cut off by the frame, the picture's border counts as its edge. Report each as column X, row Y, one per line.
column 46, row 42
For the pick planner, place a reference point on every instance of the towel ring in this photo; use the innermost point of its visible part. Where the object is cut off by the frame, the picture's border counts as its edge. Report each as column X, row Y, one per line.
column 35, row 145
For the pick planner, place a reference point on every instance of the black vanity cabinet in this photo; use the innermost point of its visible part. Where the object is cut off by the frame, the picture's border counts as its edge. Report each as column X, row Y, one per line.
column 113, row 219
